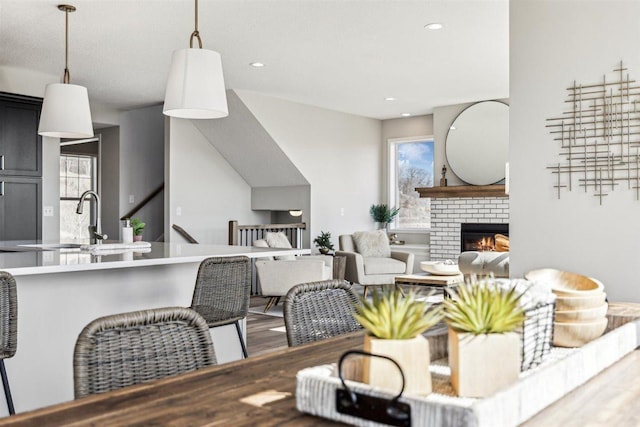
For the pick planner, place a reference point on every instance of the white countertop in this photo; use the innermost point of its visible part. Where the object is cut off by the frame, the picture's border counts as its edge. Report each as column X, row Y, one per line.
column 67, row 260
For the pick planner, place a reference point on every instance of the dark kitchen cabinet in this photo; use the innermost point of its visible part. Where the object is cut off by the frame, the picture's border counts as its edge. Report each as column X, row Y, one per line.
column 20, row 144
column 20, row 208
column 20, row 168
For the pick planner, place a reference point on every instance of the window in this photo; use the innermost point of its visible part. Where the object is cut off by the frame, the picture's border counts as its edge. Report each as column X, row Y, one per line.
column 77, row 174
column 410, row 166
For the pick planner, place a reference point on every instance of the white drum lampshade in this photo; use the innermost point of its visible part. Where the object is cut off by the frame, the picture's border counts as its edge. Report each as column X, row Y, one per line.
column 65, row 112
column 195, row 88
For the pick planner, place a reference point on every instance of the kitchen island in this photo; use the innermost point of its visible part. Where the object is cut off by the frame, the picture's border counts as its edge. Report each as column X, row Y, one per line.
column 61, row 289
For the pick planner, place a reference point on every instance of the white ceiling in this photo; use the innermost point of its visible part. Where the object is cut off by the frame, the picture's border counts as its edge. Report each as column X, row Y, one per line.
column 344, row 55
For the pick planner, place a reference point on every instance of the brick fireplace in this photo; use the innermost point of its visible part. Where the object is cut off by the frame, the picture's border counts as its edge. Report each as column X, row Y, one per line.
column 447, row 215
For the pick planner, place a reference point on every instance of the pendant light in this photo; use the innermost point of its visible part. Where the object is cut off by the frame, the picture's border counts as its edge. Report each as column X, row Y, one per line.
column 65, row 108
column 195, row 87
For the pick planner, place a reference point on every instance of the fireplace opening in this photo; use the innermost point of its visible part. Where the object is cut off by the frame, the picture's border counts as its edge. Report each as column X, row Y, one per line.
column 484, row 237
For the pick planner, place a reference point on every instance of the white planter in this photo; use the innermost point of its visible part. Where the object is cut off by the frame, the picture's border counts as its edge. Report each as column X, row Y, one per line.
column 483, row 364
column 413, row 357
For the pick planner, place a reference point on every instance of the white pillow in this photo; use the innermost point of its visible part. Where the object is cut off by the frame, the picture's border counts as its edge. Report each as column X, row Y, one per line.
column 372, row 243
column 279, row 240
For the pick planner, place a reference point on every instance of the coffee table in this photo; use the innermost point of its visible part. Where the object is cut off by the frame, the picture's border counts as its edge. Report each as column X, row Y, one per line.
column 438, row 283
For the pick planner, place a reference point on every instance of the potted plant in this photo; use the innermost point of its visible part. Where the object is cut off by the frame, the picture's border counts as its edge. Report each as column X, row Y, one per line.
column 323, row 242
column 382, row 214
column 395, row 323
column 484, row 351
column 137, row 226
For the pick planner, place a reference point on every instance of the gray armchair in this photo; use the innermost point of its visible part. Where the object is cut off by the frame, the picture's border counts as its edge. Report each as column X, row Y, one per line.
column 277, row 276
column 373, row 270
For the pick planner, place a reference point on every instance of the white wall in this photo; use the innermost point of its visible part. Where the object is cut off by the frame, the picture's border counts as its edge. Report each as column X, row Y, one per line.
column 208, row 191
column 443, row 118
column 553, row 43
column 142, row 165
column 339, row 154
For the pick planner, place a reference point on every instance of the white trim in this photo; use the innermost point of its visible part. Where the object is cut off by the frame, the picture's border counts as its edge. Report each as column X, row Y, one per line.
column 391, row 171
column 410, row 230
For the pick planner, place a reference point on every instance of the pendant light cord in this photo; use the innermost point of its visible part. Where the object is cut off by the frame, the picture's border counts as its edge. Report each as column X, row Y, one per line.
column 195, row 33
column 67, row 78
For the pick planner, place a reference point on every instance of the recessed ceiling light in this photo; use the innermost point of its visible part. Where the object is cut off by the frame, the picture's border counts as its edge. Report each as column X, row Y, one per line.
column 434, row 26
column 405, row 114
column 389, row 98
column 257, row 64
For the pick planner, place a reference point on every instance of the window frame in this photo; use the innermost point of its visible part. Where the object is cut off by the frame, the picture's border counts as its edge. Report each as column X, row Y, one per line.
column 392, row 178
column 94, row 185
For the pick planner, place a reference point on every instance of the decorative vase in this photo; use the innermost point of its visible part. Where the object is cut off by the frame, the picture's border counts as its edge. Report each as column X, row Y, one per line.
column 483, row 364
column 137, row 238
column 323, row 250
column 413, row 357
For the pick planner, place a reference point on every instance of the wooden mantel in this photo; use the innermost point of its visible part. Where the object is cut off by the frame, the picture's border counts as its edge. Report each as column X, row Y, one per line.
column 463, row 191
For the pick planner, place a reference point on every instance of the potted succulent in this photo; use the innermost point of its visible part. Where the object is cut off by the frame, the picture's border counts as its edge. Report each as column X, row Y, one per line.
column 383, row 214
column 484, row 351
column 395, row 323
column 323, row 242
column 137, row 226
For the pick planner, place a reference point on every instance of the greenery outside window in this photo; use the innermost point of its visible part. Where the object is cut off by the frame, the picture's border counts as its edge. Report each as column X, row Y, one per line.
column 410, row 166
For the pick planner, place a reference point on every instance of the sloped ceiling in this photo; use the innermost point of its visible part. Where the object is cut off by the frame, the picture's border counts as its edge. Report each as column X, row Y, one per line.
column 249, row 149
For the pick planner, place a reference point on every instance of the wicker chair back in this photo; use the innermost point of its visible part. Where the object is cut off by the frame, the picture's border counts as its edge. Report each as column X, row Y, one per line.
column 319, row 310
column 8, row 316
column 222, row 290
column 132, row 348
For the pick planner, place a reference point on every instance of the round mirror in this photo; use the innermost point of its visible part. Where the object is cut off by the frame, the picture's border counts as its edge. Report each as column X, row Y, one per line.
column 477, row 145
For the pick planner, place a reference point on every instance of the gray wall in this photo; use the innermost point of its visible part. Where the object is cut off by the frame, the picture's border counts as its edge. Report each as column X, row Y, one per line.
column 51, row 187
column 142, row 165
column 279, row 200
column 110, row 180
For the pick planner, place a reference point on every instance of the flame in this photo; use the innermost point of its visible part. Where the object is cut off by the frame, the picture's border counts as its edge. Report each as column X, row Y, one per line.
column 485, row 244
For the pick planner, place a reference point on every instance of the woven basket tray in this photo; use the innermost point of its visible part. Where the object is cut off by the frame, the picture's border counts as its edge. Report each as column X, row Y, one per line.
column 562, row 371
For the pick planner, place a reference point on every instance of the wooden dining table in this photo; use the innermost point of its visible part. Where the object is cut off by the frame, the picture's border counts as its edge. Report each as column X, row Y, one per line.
column 260, row 391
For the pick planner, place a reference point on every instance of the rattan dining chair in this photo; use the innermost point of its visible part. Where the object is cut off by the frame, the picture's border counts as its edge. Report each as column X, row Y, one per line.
column 222, row 290
column 141, row 346
column 319, row 310
column 8, row 330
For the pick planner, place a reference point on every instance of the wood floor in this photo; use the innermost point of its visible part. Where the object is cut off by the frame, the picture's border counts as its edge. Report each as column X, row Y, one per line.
column 261, row 338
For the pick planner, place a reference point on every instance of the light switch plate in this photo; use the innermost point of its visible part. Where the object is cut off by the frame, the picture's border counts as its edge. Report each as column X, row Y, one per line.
column 47, row 211
column 131, row 198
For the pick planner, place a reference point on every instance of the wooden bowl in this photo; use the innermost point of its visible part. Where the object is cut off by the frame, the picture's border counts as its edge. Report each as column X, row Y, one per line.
column 570, row 334
column 566, row 303
column 583, row 315
column 565, row 283
column 439, row 268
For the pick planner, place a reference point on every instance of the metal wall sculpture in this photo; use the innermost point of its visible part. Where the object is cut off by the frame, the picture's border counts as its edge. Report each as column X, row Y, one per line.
column 599, row 137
